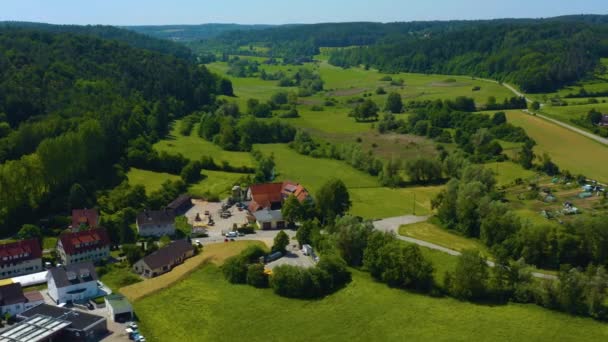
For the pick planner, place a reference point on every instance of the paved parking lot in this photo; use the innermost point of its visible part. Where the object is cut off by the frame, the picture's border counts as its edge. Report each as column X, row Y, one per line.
column 222, row 225
column 294, row 257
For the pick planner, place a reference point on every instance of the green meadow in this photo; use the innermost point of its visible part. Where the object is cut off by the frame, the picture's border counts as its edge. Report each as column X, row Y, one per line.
column 205, row 307
column 569, row 150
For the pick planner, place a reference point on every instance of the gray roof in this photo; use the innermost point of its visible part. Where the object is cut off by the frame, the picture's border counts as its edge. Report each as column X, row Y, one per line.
column 167, row 254
column 156, row 217
column 266, row 215
column 73, row 274
column 11, row 294
column 79, row 320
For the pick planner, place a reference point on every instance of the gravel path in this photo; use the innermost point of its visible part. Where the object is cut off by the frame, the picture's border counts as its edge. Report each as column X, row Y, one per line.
column 392, row 224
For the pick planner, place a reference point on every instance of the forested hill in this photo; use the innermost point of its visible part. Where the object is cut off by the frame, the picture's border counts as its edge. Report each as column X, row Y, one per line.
column 111, row 33
column 187, row 33
column 536, row 54
column 71, row 105
column 539, row 57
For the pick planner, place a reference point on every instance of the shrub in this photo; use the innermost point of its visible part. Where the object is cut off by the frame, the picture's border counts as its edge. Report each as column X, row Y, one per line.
column 256, row 276
column 235, row 270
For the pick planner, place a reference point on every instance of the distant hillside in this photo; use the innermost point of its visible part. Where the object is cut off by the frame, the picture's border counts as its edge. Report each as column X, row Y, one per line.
column 110, row 33
column 186, row 33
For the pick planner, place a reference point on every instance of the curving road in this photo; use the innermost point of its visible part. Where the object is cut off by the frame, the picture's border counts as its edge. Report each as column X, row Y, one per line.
column 392, row 224
column 557, row 122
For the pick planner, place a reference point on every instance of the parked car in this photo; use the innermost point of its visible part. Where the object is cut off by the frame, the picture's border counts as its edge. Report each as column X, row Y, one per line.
column 132, row 325
column 232, row 234
column 90, row 306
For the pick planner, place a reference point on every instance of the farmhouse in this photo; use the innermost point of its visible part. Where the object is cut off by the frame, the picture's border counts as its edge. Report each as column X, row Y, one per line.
column 604, row 121
column 266, row 201
column 13, row 301
column 52, row 323
column 156, row 222
column 84, row 218
column 164, row 259
column 72, row 283
column 181, row 204
column 19, row 258
column 87, row 245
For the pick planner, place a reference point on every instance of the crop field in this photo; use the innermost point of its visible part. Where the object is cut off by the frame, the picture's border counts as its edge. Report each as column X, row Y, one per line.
column 569, row 150
column 205, row 307
column 194, row 147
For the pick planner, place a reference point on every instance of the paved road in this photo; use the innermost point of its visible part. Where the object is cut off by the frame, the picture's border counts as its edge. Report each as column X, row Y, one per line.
column 557, row 122
column 392, row 225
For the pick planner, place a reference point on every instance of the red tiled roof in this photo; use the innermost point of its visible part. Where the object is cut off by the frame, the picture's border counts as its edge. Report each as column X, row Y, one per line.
column 33, row 296
column 264, row 195
column 85, row 240
column 20, row 251
column 88, row 217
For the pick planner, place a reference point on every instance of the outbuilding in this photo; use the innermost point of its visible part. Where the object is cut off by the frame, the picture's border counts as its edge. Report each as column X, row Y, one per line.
column 119, row 308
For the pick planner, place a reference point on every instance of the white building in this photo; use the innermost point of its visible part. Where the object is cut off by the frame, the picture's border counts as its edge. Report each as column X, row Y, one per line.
column 156, row 223
column 87, row 245
column 73, row 283
column 13, row 301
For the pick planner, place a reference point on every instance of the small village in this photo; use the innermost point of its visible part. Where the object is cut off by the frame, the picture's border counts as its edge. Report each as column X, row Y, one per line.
column 70, row 301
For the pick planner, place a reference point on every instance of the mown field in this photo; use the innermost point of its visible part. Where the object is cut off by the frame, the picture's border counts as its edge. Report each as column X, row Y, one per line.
column 569, row 150
column 205, row 307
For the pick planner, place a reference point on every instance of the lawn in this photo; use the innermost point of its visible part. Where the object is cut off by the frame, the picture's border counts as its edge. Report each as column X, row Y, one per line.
column 205, row 307
column 431, row 232
column 379, row 202
column 507, row 172
column 49, row 242
column 216, row 183
column 214, row 253
column 194, row 147
column 151, row 180
column 569, row 150
column 118, row 275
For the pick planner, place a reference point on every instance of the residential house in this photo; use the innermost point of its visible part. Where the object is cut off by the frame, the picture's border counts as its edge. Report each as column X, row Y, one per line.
column 164, row 259
column 604, row 121
column 72, row 283
column 156, row 222
column 19, row 258
column 13, row 301
column 86, row 245
column 267, row 199
column 181, row 204
column 52, row 323
column 84, row 218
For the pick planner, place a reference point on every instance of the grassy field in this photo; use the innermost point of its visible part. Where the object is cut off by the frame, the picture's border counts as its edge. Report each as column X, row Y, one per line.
column 216, row 183
column 151, row 180
column 204, row 307
column 569, row 150
column 431, row 232
column 119, row 275
column 566, row 113
column 507, row 172
column 375, row 203
column 214, row 253
column 194, row 147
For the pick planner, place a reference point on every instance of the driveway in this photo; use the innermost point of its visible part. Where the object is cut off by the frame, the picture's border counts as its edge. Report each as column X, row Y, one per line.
column 392, row 224
column 265, row 236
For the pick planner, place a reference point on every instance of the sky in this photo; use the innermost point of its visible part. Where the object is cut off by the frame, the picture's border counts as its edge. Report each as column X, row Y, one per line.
column 158, row 12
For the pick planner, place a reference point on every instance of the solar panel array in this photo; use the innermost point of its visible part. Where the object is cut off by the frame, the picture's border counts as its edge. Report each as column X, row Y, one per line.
column 34, row 329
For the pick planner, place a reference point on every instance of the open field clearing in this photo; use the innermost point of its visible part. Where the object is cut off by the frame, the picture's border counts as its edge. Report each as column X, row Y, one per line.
column 204, row 307
column 566, row 113
column 429, row 231
column 379, row 202
column 151, row 180
column 568, row 149
column 215, row 183
column 507, row 172
column 214, row 253
column 194, row 147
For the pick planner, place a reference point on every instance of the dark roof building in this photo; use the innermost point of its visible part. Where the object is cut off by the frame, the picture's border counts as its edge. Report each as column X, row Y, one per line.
column 181, row 204
column 604, row 120
column 11, row 294
column 84, row 217
column 164, row 259
column 156, row 222
column 75, row 325
column 73, row 274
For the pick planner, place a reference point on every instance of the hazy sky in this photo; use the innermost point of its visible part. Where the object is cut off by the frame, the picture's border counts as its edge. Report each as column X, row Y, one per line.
column 140, row 12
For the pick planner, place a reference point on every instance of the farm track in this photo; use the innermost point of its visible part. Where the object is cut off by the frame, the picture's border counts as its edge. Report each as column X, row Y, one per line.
column 392, row 224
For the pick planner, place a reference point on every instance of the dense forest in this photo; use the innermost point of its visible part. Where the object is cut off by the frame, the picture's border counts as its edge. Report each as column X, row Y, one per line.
column 538, row 55
column 71, row 105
